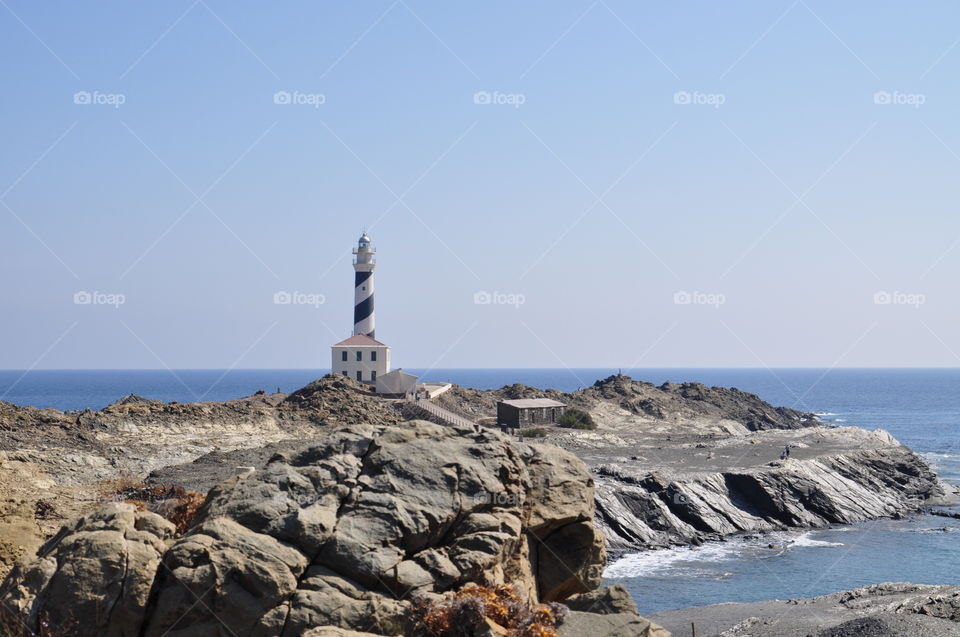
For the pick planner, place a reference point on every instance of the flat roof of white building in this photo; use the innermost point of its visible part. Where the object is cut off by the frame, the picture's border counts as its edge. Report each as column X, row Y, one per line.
column 524, row 403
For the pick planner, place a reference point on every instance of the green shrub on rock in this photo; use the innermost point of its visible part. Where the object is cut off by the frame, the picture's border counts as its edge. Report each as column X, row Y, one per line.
column 576, row 419
column 533, row 432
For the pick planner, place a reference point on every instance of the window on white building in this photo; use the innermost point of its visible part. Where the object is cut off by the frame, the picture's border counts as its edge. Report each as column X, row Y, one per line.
column 359, row 374
column 359, row 355
column 373, row 355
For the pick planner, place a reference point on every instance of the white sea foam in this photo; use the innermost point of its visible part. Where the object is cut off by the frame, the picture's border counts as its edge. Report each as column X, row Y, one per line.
column 839, row 420
column 680, row 561
column 946, row 464
column 806, row 540
column 940, row 456
column 938, row 531
column 825, row 413
column 705, row 561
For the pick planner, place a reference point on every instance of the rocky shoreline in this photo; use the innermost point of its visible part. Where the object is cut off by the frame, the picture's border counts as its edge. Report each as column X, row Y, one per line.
column 881, row 610
column 668, row 465
column 682, row 464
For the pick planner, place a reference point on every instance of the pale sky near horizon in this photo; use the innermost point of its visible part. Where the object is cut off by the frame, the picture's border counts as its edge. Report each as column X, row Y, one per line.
column 642, row 184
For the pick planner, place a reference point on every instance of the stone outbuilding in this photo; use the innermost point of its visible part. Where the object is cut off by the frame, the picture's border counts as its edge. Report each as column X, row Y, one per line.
column 525, row 412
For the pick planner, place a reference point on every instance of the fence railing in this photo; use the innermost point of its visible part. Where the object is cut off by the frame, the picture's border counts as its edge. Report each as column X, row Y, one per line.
column 435, row 413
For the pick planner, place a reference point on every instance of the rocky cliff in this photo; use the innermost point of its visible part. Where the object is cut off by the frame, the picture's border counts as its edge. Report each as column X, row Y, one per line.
column 873, row 479
column 340, row 533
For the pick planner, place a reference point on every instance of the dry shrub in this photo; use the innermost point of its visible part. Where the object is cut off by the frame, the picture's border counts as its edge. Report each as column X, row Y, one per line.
column 43, row 510
column 465, row 613
column 177, row 505
column 110, row 488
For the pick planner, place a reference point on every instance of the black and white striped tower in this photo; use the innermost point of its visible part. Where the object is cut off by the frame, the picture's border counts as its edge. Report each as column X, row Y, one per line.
column 364, row 321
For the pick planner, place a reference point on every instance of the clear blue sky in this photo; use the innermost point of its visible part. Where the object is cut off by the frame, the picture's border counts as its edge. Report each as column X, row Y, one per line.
column 599, row 198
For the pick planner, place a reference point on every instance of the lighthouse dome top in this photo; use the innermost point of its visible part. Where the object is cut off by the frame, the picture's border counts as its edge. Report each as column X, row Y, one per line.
column 364, row 239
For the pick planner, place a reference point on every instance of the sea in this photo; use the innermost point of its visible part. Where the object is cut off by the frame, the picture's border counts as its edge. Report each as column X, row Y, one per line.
column 920, row 407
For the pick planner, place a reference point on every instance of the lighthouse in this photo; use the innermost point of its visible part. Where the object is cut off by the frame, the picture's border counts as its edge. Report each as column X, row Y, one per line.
column 362, row 357
column 364, row 319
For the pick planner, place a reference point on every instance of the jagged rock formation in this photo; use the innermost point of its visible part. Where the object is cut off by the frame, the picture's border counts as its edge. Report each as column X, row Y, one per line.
column 337, row 400
column 640, row 509
column 881, row 610
column 338, row 533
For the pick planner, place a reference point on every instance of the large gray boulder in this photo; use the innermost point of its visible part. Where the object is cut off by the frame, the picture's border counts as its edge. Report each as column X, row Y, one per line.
column 338, row 534
column 606, row 600
column 94, row 577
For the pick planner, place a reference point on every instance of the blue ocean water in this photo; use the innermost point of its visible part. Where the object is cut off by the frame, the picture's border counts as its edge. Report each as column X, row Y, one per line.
column 920, row 407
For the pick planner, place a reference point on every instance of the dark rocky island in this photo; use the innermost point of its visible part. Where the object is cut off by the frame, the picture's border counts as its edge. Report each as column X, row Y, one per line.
column 325, row 510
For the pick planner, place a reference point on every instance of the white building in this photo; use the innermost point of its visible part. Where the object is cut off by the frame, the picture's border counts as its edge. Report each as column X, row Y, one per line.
column 361, row 357
column 396, row 383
